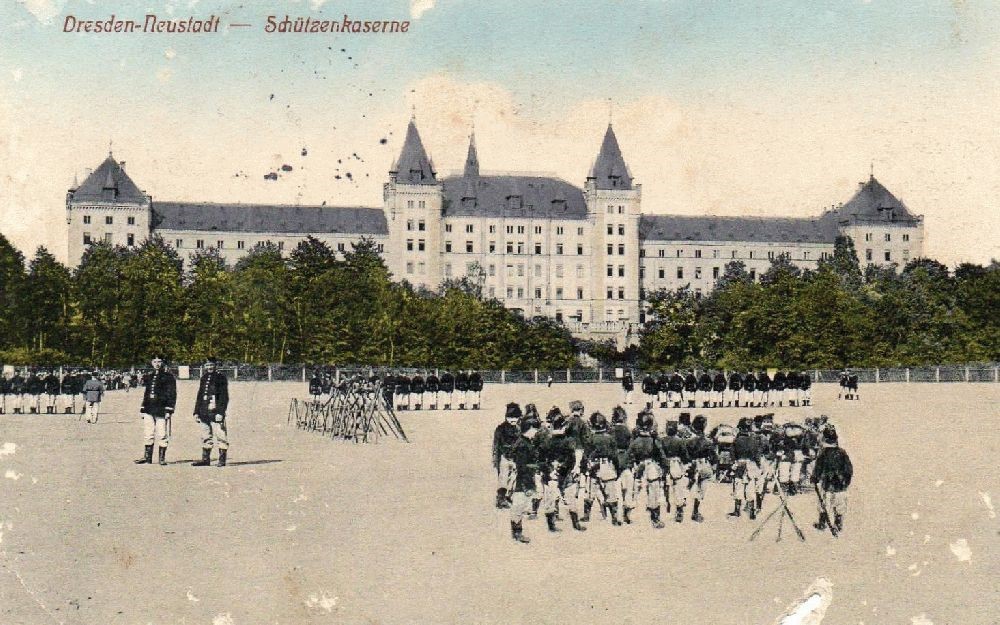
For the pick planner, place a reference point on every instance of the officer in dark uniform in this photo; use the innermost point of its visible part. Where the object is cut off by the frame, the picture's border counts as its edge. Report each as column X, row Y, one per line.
column 778, row 388
column 565, row 448
column 17, row 392
column 764, row 388
column 462, row 387
column 691, row 389
column 626, row 479
column 628, row 385
column 645, row 457
column 718, row 389
column 662, row 387
column 433, row 385
column 447, row 387
column 35, row 387
column 750, row 395
column 805, row 385
column 705, row 388
column 649, row 389
column 210, row 414
column 504, row 437
column 524, row 454
column 388, row 390
column 417, row 389
column 51, row 383
column 735, row 386
column 403, row 391
column 476, row 389
column 158, row 402
column 675, row 389
column 746, row 469
column 831, row 478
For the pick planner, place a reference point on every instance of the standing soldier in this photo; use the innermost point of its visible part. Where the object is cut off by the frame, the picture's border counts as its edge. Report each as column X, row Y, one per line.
column 705, row 388
column 51, row 383
column 476, row 388
column 792, row 388
column 579, row 430
column 764, row 388
column 762, row 432
column 701, row 451
column 417, row 389
column 649, row 389
column 504, row 438
column 749, row 389
column 17, row 392
column 210, row 414
column 735, row 386
column 790, row 457
column 566, row 453
column 675, row 388
column 626, row 479
column 675, row 450
column 778, row 386
column 604, row 467
column 746, row 470
column 158, row 403
column 645, row 456
column 4, row 392
column 462, row 387
column 447, row 387
column 433, row 386
column 93, row 393
column 628, row 385
column 403, row 391
column 831, row 477
column 718, row 389
column 524, row 454
column 35, row 387
column 805, row 384
column 67, row 386
column 662, row 389
column 691, row 389
column 316, row 387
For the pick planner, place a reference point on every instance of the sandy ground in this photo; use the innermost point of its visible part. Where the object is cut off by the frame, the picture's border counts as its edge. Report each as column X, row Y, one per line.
column 302, row 529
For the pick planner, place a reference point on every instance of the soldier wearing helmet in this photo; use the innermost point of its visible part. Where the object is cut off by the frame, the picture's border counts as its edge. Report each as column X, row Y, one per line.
column 604, row 467
column 703, row 456
column 626, row 480
column 645, row 456
column 504, row 437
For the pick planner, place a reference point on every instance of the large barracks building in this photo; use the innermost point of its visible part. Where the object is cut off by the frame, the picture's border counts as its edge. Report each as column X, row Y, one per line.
column 585, row 256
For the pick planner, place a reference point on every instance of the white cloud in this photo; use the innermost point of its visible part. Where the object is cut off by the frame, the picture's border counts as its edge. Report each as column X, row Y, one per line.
column 419, row 7
column 43, row 10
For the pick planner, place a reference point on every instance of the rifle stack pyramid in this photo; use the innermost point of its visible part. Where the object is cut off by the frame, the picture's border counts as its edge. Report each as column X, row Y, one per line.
column 357, row 410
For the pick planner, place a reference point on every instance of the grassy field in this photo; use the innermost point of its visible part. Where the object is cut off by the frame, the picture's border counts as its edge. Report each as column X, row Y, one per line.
column 302, row 529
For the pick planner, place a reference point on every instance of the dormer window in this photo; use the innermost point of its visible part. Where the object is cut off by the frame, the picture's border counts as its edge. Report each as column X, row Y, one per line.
column 514, row 202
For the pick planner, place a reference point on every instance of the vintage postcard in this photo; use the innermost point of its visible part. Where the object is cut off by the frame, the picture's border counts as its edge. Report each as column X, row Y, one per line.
column 476, row 312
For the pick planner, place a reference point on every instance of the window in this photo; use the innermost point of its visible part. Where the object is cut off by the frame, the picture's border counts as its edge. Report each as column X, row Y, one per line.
column 538, row 271
column 510, row 247
column 421, row 245
column 680, row 273
column 621, row 293
column 906, row 237
column 621, row 210
column 520, row 270
column 770, row 254
column 200, row 244
column 468, row 247
column 621, row 271
column 888, row 256
column 447, row 246
column 409, row 224
column 697, row 273
column 538, row 248
column 409, row 245
column 130, row 239
column 888, row 237
column 611, row 293
column 421, row 225
column 559, row 229
column 520, row 229
column 447, row 227
column 447, row 270
column 493, row 228
column 579, row 231
column 611, row 229
column 697, row 253
column 868, row 255
column 579, row 293
column 281, row 245
column 409, row 267
column 510, row 229
column 642, row 252
column 559, row 292
column 341, row 247
column 715, row 273
column 86, row 238
column 109, row 220
column 559, row 248
column 733, row 254
column 868, row 236
column 621, row 249
column 493, row 270
column 621, row 229
column 493, row 246
column 421, row 204
column 510, row 292
column 611, row 209
column 218, row 244
column 86, row 219
column 131, row 221
column 409, row 203
column 520, row 292
column 906, row 254
column 239, row 244
column 715, row 253
column 538, row 293
column 559, row 271
column 611, row 270
column 661, row 272
column 421, row 267
column 750, row 254
column 663, row 253
column 579, row 271
column 679, row 253
column 520, row 247
column 611, row 249
column 538, row 229
column 579, row 249
column 469, row 228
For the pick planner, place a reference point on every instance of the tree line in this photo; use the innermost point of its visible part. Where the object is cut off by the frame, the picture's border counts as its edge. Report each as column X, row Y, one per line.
column 121, row 305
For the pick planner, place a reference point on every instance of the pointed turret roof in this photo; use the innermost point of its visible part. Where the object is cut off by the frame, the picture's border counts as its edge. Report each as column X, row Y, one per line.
column 109, row 183
column 472, row 159
column 609, row 170
column 873, row 202
column 413, row 165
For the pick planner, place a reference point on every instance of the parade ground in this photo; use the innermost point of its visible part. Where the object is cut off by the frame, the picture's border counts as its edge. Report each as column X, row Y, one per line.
column 303, row 529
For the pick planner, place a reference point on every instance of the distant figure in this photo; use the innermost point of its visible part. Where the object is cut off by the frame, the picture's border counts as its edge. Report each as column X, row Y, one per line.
column 628, row 385
column 93, row 393
column 549, row 381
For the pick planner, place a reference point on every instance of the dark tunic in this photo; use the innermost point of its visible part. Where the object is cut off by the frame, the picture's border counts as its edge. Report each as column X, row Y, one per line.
column 160, row 395
column 504, row 437
column 690, row 383
column 475, row 382
column 213, row 395
column 719, row 382
column 833, row 470
column 462, row 381
column 705, row 382
column 627, row 382
column 447, row 382
column 433, row 384
column 525, row 456
column 642, row 448
column 676, row 383
column 750, row 382
column 649, row 385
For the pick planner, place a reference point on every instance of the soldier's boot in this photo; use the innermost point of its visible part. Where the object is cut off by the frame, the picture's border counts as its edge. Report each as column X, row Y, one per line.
column 663, row 404
column 550, row 520
column 792, row 489
column 147, row 457
column 222, row 457
column 517, row 533
column 206, row 459
column 838, row 522
column 501, row 498
column 821, row 523
column 613, row 507
column 737, row 509
column 760, row 500
column 667, row 505
column 534, row 509
column 677, row 404
column 68, row 410
column 163, row 456
column 679, row 517
column 575, row 519
column 34, row 410
column 625, row 515
column 654, row 518
column 461, row 406
column 696, row 513
column 753, row 510
column 587, row 506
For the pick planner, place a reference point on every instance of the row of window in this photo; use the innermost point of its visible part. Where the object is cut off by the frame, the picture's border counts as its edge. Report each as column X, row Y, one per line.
column 519, row 291
column 869, row 255
column 888, row 236
column 512, row 247
column 662, row 273
column 88, row 239
column 771, row 254
column 108, row 220
column 621, row 229
column 621, row 293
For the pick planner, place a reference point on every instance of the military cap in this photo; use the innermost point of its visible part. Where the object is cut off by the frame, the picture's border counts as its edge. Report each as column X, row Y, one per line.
column 576, row 406
column 699, row 424
column 513, row 411
column 684, row 418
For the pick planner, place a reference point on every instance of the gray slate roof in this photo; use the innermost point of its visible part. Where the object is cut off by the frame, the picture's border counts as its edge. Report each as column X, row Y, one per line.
column 610, row 170
column 489, row 196
column 413, row 165
column 108, row 183
column 873, row 202
column 268, row 218
column 743, row 229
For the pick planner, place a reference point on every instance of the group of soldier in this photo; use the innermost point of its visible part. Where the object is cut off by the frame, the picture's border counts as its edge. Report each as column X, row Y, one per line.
column 848, row 386
column 41, row 391
column 718, row 390
column 403, row 392
column 567, row 462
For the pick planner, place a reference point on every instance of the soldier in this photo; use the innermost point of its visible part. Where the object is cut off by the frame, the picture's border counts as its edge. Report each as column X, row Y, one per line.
column 746, row 470
column 778, row 388
column 158, row 403
column 417, row 389
column 34, row 386
column 735, row 386
column 675, row 450
column 663, row 389
column 604, row 467
column 626, row 479
column 628, row 385
column 718, row 389
column 526, row 464
column 842, row 393
column 790, row 457
column 566, row 451
column 462, row 388
column 831, row 478
column 690, row 389
column 749, row 389
column 51, row 384
column 476, row 389
column 210, row 414
column 504, row 437
column 68, row 390
column 316, row 387
column 763, row 432
column 433, row 386
column 326, row 384
column 805, row 392
column 4, row 392
column 447, row 387
column 649, row 389
column 17, row 392
column 403, row 392
column 579, row 430
column 93, row 393
column 764, row 389
column 703, row 456
column 389, row 391
column 645, row 457
column 705, row 388
column 675, row 388
column 792, row 388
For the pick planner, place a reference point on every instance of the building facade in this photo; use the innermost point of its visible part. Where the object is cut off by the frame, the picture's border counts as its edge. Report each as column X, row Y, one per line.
column 585, row 256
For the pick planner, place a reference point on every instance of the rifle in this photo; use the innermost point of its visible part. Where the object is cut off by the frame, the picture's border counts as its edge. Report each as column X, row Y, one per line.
column 826, row 513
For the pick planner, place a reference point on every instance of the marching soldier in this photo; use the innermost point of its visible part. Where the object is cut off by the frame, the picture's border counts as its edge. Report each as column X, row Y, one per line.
column 701, row 451
column 746, row 470
column 735, row 386
column 210, row 414
column 417, row 389
column 764, row 389
column 705, row 388
column 831, row 477
column 604, row 467
column 433, row 387
column 649, row 389
column 675, row 387
column 526, row 464
column 675, row 450
column 842, row 393
column 389, row 392
column 158, row 403
column 645, row 456
column 447, row 387
column 4, row 392
column 750, row 397
column 763, row 432
column 505, row 436
column 690, row 389
column 718, row 389
column 626, row 479
column 93, row 393
column 462, row 387
column 778, row 388
column 476, row 388
column 628, row 385
column 566, row 452
column 662, row 389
